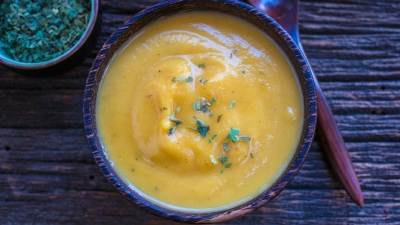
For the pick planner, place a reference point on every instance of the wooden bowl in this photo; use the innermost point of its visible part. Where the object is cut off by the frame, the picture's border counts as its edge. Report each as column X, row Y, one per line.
column 68, row 60
column 236, row 8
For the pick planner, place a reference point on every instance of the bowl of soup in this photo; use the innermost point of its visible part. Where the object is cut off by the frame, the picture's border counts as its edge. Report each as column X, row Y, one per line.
column 199, row 111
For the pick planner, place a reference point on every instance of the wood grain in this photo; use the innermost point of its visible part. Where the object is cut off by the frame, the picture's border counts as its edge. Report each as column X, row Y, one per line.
column 48, row 176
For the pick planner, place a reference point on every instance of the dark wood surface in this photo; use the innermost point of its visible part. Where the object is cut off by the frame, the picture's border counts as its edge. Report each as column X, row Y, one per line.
column 48, row 176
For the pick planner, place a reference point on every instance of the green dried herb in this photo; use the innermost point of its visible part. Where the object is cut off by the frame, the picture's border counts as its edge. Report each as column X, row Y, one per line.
column 171, row 131
column 244, row 138
column 173, row 119
column 181, row 79
column 232, row 104
column 213, row 100
column 251, row 154
column 178, row 109
column 219, row 118
column 189, row 79
column 226, row 146
column 223, row 159
column 202, row 65
column 233, row 134
column 202, row 128
column 228, row 165
column 37, row 31
column 173, row 79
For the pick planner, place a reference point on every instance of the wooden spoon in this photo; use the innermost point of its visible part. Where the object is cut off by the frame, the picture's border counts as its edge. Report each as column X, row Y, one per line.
column 285, row 13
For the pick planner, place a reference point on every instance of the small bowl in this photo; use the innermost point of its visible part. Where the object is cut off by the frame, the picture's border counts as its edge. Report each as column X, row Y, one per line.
column 235, row 8
column 68, row 60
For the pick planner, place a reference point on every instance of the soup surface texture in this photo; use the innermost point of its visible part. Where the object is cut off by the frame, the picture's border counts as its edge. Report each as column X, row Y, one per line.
column 199, row 110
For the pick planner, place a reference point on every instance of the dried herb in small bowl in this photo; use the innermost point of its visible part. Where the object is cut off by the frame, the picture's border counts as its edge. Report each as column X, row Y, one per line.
column 37, row 31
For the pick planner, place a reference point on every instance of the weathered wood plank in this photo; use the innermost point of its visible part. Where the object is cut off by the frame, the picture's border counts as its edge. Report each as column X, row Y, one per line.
column 48, row 176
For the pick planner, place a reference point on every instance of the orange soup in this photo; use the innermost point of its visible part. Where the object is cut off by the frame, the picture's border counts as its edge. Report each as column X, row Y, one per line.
column 200, row 110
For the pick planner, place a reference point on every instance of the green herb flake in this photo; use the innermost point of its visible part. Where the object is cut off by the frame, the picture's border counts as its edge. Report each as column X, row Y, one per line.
column 173, row 79
column 189, row 79
column 209, row 140
column 205, row 81
column 244, row 138
column 39, row 31
column 211, row 114
column 178, row 109
column 222, row 171
column 173, row 119
column 251, row 155
column 213, row 160
column 202, row 65
column 223, row 159
column 233, row 134
column 202, row 128
column 181, row 79
column 196, row 106
column 226, row 146
column 171, row 131
column 244, row 72
column 230, row 56
column 164, row 108
column 200, row 79
column 232, row 104
column 219, row 118
column 214, row 136
column 228, row 165
column 213, row 100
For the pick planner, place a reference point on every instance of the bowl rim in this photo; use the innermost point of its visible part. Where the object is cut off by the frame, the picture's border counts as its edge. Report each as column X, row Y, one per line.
column 306, row 83
column 94, row 14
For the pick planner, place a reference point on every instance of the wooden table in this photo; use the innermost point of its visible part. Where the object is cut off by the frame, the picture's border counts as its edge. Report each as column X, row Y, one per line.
column 48, row 175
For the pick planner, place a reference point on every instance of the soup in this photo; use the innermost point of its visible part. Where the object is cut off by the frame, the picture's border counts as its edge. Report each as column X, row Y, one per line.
column 200, row 111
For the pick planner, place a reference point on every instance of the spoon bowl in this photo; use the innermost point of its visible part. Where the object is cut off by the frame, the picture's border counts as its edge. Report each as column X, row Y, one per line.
column 285, row 13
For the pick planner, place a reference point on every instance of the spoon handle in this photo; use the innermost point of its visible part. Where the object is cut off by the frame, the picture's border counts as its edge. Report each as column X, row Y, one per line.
column 285, row 13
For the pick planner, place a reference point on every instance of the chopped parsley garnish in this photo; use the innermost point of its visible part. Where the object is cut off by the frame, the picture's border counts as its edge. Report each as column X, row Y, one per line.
column 181, row 79
column 226, row 147
column 230, row 56
column 204, row 109
column 202, row 65
column 171, row 131
column 200, row 79
column 196, row 106
column 164, row 108
column 205, row 81
column 212, row 138
column 178, row 109
column 173, row 119
column 251, row 155
column 232, row 104
column 219, row 118
column 228, row 165
column 223, row 159
column 213, row 160
column 189, row 79
column 244, row 138
column 202, row 128
column 222, row 171
column 213, row 100
column 211, row 114
column 173, row 79
column 233, row 134
column 244, row 72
